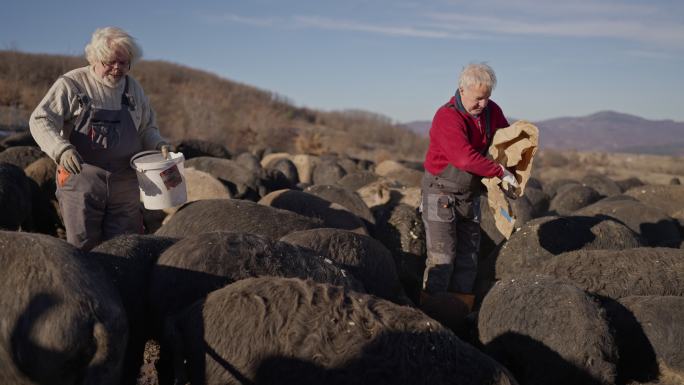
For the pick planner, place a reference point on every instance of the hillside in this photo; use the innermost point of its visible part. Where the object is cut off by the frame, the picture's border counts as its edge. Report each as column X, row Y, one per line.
column 195, row 104
column 613, row 132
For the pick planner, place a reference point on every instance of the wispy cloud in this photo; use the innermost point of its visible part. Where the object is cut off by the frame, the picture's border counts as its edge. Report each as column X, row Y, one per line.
column 497, row 19
column 238, row 19
column 319, row 22
column 561, row 7
column 347, row 25
column 635, row 30
column 650, row 55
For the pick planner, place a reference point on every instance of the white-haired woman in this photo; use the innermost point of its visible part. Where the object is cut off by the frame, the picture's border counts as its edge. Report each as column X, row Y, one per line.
column 91, row 121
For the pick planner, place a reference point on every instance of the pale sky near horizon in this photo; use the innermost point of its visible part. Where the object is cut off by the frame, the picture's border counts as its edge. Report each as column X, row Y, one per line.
column 397, row 58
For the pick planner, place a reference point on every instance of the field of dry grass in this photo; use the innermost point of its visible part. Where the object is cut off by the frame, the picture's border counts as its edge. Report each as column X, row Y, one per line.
column 651, row 169
column 199, row 105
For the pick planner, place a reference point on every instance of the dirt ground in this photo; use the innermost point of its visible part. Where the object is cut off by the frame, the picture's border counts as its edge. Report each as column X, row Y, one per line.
column 148, row 373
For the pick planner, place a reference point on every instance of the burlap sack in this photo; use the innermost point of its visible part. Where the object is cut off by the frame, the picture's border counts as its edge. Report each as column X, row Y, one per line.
column 514, row 147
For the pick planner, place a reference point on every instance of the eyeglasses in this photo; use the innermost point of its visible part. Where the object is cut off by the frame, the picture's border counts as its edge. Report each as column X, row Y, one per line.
column 121, row 63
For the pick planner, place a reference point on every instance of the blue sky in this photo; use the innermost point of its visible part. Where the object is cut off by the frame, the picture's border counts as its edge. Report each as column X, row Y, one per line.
column 397, row 58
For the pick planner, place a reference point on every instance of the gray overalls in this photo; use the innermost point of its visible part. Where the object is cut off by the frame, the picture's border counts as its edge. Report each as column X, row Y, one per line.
column 103, row 200
column 451, row 213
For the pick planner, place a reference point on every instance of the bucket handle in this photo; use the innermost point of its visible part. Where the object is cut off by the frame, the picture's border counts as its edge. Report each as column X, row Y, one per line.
column 139, row 155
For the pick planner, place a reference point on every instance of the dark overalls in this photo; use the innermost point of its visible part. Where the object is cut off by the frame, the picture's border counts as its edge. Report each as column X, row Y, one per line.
column 451, row 214
column 103, row 200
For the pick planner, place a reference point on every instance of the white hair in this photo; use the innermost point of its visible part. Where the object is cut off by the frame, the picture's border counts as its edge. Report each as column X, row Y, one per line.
column 107, row 41
column 477, row 74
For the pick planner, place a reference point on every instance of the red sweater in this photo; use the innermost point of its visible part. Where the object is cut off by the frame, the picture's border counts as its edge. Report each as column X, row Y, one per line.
column 458, row 138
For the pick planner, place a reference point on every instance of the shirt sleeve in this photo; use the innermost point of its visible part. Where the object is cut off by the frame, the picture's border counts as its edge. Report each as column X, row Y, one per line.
column 47, row 121
column 450, row 134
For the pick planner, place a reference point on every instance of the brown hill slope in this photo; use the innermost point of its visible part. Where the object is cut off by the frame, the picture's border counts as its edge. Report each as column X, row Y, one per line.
column 196, row 104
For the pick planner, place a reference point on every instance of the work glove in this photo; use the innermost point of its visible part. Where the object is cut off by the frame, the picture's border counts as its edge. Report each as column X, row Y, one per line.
column 71, row 161
column 165, row 149
column 509, row 178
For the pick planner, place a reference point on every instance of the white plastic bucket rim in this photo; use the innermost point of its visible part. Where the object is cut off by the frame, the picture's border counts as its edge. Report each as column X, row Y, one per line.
column 161, row 181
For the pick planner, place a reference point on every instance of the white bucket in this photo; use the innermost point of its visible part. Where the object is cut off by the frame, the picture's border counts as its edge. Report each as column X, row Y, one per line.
column 161, row 181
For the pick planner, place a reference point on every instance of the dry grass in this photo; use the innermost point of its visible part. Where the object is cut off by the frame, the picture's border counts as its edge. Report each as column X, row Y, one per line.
column 196, row 104
column 310, row 142
column 654, row 169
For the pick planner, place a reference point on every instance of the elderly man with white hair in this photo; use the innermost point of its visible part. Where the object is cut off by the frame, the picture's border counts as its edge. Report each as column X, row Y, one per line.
column 455, row 163
column 91, row 121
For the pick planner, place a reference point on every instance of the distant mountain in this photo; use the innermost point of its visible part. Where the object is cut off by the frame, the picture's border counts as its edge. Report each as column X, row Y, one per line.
column 603, row 131
column 613, row 132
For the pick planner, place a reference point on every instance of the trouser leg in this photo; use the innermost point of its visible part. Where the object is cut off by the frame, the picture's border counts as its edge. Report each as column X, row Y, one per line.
column 440, row 232
column 465, row 260
column 467, row 251
column 123, row 215
column 453, row 242
column 82, row 201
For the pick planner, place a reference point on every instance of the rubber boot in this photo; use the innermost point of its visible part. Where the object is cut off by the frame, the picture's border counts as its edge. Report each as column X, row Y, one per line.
column 424, row 298
column 445, row 308
column 467, row 299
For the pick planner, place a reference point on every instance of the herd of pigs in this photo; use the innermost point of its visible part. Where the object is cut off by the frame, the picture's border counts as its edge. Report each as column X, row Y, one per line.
column 307, row 269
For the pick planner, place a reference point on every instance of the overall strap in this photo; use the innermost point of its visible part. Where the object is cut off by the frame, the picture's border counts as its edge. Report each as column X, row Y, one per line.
column 83, row 98
column 126, row 98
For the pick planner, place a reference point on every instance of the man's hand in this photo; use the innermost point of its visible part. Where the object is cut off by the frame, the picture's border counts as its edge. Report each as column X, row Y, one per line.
column 71, row 161
column 165, row 149
column 508, row 177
